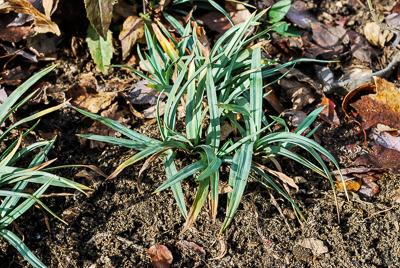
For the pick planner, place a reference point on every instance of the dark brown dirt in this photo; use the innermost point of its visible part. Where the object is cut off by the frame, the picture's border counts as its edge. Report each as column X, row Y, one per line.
column 116, row 224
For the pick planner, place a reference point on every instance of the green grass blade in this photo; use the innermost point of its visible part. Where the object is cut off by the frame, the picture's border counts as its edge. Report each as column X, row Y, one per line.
column 17, row 93
column 306, row 123
column 12, row 145
column 214, row 132
column 198, row 203
column 256, row 89
column 31, row 118
column 182, row 174
column 214, row 194
column 241, row 169
column 114, row 140
column 136, row 158
column 266, row 179
column 10, row 156
column 11, row 201
column 170, row 170
column 17, row 243
column 174, row 97
column 23, row 207
column 135, row 136
column 193, row 107
column 222, row 10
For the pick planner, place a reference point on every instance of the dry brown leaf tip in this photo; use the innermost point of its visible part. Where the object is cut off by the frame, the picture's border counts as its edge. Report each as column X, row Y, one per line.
column 42, row 23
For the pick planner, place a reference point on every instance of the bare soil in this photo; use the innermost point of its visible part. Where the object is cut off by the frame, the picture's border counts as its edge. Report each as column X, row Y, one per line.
column 116, row 224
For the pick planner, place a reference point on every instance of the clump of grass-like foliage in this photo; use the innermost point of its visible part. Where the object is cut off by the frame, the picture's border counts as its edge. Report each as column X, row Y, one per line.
column 22, row 187
column 222, row 84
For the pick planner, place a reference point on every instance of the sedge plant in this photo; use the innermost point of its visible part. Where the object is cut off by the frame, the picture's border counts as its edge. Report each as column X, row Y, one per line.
column 22, row 186
column 222, row 84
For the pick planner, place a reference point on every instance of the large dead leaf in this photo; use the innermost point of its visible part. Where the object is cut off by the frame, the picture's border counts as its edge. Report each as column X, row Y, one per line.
column 99, row 13
column 42, row 23
column 328, row 36
column 160, row 256
column 132, row 31
column 84, row 94
column 380, row 107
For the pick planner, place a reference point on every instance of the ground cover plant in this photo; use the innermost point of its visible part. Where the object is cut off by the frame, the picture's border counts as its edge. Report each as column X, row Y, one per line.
column 216, row 85
column 122, row 222
column 22, row 186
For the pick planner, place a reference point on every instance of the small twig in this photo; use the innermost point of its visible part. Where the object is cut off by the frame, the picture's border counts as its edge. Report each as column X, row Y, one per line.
column 376, row 213
column 55, row 194
column 273, row 202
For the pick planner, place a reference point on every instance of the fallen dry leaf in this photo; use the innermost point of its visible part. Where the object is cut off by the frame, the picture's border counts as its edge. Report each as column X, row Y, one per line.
column 283, row 177
column 381, row 107
column 151, row 112
column 42, row 23
column 300, row 16
column 239, row 13
column 217, row 22
column 273, row 100
column 369, row 187
column 49, row 7
column 388, row 138
column 13, row 52
column 351, row 185
column 329, row 112
column 316, row 246
column 329, row 36
column 360, row 47
column 132, row 31
column 300, row 88
column 142, row 94
column 84, row 94
column 185, row 245
column 99, row 13
column 376, row 35
column 13, row 33
column 380, row 157
column 97, row 102
column 160, row 256
column 43, row 46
